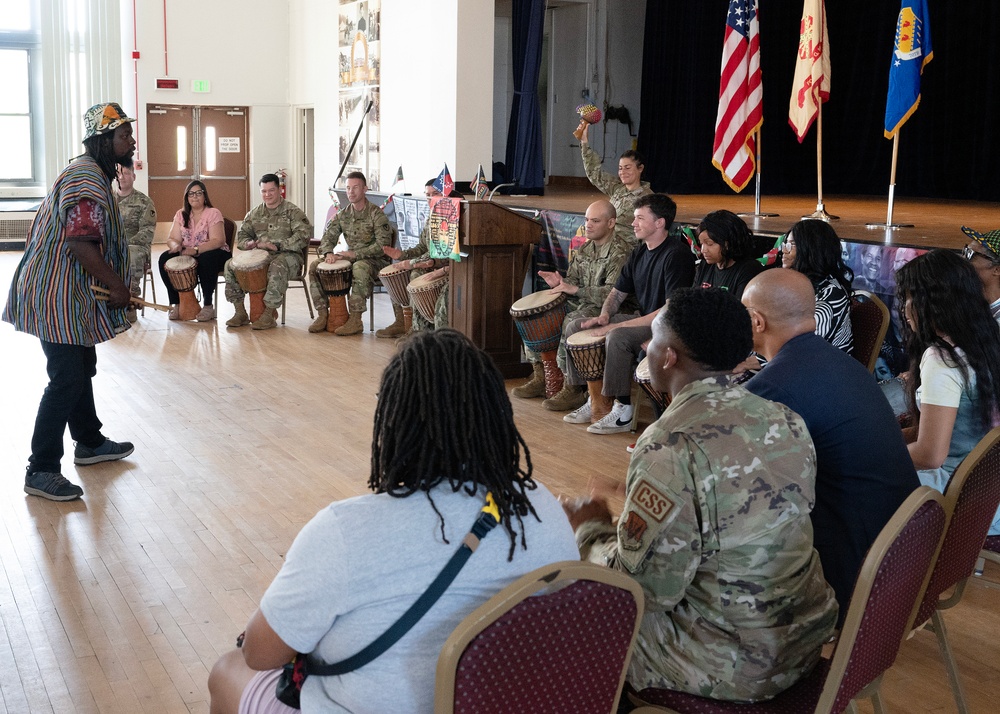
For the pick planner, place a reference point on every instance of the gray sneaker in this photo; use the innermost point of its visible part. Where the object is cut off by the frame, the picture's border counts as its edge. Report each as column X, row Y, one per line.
column 108, row 451
column 51, row 486
column 579, row 416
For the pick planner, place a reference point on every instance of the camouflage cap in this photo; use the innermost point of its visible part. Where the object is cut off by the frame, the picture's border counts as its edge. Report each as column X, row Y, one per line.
column 102, row 118
column 990, row 241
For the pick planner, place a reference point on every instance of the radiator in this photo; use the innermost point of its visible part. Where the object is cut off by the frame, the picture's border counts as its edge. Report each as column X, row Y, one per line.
column 14, row 229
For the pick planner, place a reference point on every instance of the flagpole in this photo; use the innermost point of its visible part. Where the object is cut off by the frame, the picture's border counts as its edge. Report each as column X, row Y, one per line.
column 892, row 191
column 820, row 212
column 756, row 191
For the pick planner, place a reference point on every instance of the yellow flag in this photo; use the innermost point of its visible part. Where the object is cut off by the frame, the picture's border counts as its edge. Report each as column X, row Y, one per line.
column 812, row 69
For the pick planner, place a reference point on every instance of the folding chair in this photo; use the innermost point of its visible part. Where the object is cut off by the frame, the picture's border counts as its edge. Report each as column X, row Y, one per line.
column 869, row 323
column 558, row 650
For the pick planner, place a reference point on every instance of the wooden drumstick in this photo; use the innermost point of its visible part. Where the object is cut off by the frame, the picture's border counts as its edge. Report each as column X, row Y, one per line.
column 103, row 293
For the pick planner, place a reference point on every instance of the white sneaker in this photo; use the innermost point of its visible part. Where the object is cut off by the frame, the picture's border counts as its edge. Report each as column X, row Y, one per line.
column 619, row 419
column 579, row 416
column 206, row 314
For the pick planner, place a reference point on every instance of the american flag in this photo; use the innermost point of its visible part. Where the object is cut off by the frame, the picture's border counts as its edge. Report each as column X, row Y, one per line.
column 740, row 94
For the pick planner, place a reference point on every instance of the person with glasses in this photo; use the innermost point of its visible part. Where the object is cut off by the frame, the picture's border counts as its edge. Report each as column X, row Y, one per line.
column 283, row 230
column 983, row 251
column 199, row 231
column 812, row 248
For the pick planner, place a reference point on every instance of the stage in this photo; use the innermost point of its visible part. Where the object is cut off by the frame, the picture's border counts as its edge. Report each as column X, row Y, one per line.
column 936, row 223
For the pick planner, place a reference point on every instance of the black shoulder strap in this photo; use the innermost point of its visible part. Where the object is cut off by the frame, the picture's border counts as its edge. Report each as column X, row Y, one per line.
column 487, row 520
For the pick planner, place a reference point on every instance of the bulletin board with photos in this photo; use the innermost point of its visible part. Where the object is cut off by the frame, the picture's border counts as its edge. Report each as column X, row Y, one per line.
column 359, row 42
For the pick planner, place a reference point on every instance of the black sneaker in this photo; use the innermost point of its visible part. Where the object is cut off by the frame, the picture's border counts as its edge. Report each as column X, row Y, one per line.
column 51, row 486
column 108, row 451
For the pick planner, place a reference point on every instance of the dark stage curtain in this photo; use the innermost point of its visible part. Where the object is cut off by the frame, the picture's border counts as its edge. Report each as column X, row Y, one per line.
column 949, row 149
column 524, row 134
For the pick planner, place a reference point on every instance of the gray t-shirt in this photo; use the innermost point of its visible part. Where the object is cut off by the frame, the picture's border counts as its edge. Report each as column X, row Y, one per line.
column 360, row 563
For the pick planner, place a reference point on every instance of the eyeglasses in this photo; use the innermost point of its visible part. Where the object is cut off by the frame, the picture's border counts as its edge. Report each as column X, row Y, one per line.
column 968, row 252
column 195, row 194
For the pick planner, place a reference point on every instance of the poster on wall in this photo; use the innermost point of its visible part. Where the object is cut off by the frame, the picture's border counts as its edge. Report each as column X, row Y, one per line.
column 359, row 69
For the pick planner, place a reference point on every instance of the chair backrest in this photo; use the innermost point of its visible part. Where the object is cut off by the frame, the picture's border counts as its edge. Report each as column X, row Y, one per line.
column 230, row 228
column 564, row 649
column 971, row 501
column 885, row 598
column 869, row 323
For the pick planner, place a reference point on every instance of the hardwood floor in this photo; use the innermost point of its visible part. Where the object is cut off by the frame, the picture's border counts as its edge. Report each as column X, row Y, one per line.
column 122, row 601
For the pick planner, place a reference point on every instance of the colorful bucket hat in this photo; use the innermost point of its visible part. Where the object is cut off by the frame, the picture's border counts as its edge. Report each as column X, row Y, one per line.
column 102, row 118
column 990, row 241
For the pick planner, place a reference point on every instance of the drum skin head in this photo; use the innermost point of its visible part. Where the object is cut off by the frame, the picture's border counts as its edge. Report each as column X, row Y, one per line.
column 335, row 266
column 583, row 338
column 541, row 299
column 180, row 262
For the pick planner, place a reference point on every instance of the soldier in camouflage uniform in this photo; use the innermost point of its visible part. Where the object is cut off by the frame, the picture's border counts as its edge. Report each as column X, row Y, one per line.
column 623, row 189
column 418, row 255
column 139, row 223
column 592, row 273
column 716, row 522
column 283, row 230
column 367, row 232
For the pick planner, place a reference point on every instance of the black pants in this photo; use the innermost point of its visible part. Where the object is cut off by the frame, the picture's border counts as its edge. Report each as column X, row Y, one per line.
column 68, row 400
column 210, row 264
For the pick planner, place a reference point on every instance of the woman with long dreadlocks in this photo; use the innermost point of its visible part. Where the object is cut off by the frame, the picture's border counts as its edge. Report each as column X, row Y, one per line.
column 444, row 436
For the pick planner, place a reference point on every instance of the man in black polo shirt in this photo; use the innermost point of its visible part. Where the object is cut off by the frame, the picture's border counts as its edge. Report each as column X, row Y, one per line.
column 658, row 265
column 863, row 470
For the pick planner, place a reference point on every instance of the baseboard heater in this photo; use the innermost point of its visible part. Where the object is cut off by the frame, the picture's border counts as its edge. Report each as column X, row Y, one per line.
column 14, row 227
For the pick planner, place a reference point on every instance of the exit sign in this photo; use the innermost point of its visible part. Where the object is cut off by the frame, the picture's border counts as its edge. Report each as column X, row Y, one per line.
column 201, row 85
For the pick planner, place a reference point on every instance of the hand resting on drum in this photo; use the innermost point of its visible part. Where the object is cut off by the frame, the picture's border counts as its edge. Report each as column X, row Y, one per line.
column 345, row 255
column 555, row 281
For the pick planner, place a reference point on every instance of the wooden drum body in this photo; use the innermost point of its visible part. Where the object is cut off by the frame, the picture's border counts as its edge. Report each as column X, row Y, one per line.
column 183, row 273
column 250, row 267
column 588, row 354
column 424, row 291
column 642, row 378
column 396, row 278
column 335, row 279
column 539, row 320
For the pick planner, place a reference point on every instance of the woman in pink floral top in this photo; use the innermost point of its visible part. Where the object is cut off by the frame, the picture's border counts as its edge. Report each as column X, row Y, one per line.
column 199, row 231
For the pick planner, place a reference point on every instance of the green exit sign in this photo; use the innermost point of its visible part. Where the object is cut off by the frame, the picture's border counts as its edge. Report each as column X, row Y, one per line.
column 201, row 85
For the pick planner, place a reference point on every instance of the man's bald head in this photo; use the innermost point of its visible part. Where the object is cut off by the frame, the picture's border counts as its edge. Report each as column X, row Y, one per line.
column 603, row 208
column 600, row 220
column 782, row 305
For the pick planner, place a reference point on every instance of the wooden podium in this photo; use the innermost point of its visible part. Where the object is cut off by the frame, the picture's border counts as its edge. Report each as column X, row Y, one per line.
column 486, row 283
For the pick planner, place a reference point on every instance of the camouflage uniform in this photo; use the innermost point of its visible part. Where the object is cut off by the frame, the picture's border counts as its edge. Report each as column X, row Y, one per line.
column 594, row 270
column 716, row 529
column 621, row 198
column 366, row 231
column 288, row 227
column 139, row 223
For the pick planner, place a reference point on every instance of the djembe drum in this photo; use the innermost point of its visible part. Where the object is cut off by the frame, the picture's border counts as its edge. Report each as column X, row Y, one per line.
column 588, row 354
column 424, row 291
column 250, row 267
column 539, row 318
column 335, row 279
column 183, row 273
column 642, row 378
column 396, row 278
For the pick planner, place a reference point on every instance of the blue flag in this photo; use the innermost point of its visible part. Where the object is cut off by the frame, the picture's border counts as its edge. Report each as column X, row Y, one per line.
column 912, row 51
column 443, row 182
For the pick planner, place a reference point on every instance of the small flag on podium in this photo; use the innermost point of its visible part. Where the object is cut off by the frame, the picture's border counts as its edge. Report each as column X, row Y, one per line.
column 443, row 182
column 479, row 185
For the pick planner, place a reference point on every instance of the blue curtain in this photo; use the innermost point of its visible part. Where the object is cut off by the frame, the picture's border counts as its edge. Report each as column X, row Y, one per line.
column 524, row 133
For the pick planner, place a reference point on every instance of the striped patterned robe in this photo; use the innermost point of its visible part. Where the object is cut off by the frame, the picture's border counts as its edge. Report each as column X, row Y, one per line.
column 50, row 295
